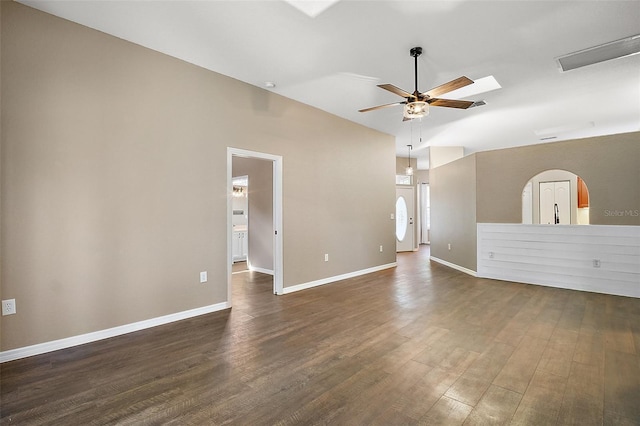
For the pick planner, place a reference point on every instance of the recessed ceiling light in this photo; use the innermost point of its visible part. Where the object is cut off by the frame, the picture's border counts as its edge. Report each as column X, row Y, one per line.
column 269, row 84
column 481, row 85
column 605, row 52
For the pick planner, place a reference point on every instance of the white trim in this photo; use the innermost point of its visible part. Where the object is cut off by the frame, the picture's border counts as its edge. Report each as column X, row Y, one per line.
column 261, row 270
column 328, row 280
column 81, row 339
column 278, row 257
column 454, row 266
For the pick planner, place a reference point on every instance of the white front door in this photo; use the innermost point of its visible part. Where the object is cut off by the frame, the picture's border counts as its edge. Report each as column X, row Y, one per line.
column 405, row 211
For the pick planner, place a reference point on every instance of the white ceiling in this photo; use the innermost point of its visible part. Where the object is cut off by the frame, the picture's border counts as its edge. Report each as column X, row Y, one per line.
column 333, row 58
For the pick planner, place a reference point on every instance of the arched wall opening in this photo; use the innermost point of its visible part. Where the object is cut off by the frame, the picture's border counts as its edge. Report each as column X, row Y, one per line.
column 555, row 197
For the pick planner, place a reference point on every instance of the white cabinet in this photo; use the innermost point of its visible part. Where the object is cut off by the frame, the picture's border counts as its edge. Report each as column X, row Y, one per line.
column 240, row 245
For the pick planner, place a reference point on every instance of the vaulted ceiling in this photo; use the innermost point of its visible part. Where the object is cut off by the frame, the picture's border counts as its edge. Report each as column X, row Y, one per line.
column 332, row 54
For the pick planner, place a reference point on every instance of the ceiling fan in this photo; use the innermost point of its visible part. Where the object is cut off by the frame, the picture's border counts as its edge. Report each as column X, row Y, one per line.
column 417, row 104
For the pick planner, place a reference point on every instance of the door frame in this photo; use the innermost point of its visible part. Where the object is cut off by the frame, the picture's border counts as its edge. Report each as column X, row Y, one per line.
column 412, row 230
column 277, row 215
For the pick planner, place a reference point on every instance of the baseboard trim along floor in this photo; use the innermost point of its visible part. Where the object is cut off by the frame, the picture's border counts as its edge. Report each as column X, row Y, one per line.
column 81, row 339
column 454, row 266
column 329, row 280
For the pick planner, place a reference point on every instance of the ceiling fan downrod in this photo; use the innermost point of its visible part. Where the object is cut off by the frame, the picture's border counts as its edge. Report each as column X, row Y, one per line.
column 415, row 52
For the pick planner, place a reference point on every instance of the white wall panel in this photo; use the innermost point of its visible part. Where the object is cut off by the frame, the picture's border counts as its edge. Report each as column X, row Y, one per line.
column 562, row 256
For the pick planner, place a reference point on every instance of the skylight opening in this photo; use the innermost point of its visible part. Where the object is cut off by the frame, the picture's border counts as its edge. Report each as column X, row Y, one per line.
column 312, row 8
column 481, row 85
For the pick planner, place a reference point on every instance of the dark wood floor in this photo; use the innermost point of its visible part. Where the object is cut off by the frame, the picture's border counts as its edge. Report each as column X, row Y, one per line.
column 417, row 344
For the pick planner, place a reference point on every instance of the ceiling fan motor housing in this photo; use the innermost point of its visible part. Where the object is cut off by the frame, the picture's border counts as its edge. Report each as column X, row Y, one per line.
column 415, row 52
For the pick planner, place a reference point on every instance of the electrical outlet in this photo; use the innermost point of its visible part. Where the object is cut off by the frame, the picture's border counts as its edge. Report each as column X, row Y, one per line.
column 449, row 246
column 596, row 263
column 380, row 249
column 9, row 307
column 392, row 216
column 326, row 257
column 490, row 255
column 203, row 276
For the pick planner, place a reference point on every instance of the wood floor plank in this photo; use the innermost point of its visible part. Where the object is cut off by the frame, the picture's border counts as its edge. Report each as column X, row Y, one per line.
column 618, row 335
column 621, row 387
column 446, row 411
column 467, row 390
column 489, row 364
column 496, row 407
column 589, row 347
column 360, row 409
column 425, row 393
column 417, row 344
column 522, row 364
column 558, row 355
column 583, row 402
column 542, row 400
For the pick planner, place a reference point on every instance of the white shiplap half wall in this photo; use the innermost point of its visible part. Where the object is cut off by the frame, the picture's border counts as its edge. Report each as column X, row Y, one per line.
column 596, row 258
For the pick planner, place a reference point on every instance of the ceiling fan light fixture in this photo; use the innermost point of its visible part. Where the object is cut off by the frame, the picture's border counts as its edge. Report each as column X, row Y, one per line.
column 416, row 109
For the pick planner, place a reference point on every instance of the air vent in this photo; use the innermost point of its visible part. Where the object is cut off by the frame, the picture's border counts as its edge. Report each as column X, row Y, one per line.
column 477, row 104
column 563, row 130
column 605, row 52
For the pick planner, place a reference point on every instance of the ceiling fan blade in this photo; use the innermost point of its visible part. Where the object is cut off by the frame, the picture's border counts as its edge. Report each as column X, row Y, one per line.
column 450, row 103
column 448, row 87
column 381, row 106
column 396, row 90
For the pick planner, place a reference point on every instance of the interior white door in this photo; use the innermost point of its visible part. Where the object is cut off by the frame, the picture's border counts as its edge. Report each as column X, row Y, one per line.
column 405, row 211
column 555, row 202
column 563, row 200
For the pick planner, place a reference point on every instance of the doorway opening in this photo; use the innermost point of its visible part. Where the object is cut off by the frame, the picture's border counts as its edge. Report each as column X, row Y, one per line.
column 258, row 228
column 405, row 211
column 555, row 197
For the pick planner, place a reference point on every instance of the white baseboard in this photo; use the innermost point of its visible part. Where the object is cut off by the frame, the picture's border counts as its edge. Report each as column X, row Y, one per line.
column 261, row 270
column 328, row 280
column 454, row 266
column 68, row 342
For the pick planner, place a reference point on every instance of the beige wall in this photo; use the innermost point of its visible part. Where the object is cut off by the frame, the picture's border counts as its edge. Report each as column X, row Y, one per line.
column 422, row 176
column 441, row 155
column 260, row 206
column 114, row 181
column 453, row 212
column 403, row 162
column 609, row 165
